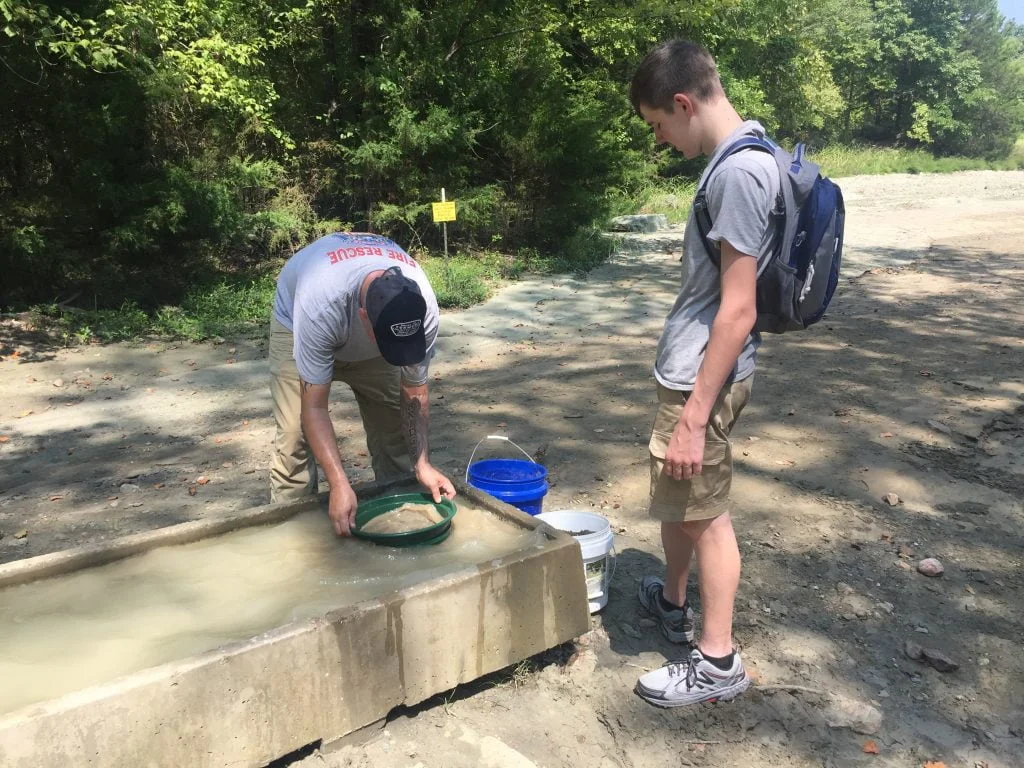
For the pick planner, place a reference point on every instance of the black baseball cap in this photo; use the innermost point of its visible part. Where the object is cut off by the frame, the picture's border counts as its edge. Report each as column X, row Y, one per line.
column 397, row 311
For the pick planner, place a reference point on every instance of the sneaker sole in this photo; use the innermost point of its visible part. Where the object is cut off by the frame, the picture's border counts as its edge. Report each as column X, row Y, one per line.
column 673, row 637
column 726, row 694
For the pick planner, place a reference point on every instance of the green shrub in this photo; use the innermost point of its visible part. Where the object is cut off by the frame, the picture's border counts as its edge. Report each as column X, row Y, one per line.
column 458, row 281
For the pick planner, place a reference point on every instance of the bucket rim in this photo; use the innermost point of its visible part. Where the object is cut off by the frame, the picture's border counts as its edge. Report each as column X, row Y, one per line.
column 603, row 524
column 532, row 472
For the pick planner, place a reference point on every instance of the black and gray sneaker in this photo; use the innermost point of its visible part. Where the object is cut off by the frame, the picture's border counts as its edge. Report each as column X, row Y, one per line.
column 676, row 624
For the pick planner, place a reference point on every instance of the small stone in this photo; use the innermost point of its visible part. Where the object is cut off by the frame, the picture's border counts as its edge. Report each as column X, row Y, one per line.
column 1001, row 730
column 202, row 480
column 58, row 383
column 905, row 551
column 940, row 661
column 842, row 712
column 980, row 578
column 21, row 534
column 115, row 504
column 643, row 222
column 902, row 565
column 913, row 650
column 849, row 616
column 922, row 630
column 891, row 499
column 128, row 488
column 887, row 607
column 843, row 588
column 930, row 567
column 938, row 426
column 983, row 662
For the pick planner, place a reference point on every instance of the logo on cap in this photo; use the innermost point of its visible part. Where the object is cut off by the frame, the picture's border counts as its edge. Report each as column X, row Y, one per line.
column 401, row 330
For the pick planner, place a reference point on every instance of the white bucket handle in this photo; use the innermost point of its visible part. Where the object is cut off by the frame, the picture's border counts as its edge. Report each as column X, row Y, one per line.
column 494, row 437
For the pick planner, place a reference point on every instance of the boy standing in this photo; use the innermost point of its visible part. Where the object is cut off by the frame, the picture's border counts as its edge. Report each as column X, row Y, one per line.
column 704, row 369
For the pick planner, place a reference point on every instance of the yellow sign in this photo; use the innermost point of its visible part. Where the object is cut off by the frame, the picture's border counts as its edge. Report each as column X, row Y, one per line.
column 444, row 211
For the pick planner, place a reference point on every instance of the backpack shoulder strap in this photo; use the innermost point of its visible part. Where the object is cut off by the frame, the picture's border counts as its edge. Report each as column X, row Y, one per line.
column 701, row 209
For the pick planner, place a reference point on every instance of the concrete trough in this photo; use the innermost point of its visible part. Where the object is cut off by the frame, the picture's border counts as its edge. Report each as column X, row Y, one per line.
column 250, row 702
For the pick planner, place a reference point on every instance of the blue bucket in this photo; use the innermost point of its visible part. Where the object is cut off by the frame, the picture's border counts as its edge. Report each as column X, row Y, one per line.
column 522, row 484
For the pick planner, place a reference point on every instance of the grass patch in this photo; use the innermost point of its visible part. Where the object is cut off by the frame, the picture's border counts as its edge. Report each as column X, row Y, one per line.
column 224, row 309
column 229, row 307
column 672, row 197
column 458, row 281
column 838, row 161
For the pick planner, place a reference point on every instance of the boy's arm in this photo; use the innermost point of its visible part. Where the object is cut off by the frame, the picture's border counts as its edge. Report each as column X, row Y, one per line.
column 733, row 323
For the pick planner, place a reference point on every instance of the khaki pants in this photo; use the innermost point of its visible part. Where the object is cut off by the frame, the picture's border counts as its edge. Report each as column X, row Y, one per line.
column 376, row 386
column 705, row 495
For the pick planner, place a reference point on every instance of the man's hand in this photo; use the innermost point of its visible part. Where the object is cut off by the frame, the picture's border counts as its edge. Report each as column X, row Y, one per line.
column 684, row 455
column 342, row 509
column 437, row 485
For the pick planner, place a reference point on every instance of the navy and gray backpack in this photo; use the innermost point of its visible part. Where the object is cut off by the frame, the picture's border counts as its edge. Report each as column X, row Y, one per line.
column 796, row 284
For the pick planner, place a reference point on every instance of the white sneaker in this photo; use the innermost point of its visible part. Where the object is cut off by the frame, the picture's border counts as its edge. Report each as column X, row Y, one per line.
column 692, row 680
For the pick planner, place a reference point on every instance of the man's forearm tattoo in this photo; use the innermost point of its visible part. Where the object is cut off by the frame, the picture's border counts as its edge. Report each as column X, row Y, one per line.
column 414, row 425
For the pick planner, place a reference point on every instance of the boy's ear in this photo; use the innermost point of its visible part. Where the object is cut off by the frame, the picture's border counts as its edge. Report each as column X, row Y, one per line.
column 684, row 102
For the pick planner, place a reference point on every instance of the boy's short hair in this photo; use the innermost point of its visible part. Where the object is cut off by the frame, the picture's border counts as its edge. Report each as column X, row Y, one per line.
column 675, row 66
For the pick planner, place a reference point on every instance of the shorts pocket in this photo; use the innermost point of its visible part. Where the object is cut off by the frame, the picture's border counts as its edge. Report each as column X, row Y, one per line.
column 716, row 450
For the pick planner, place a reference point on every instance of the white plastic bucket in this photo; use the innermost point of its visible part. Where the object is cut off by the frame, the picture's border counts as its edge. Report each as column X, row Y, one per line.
column 597, row 548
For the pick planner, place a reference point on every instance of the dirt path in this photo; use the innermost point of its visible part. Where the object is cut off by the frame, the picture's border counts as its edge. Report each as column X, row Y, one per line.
column 913, row 385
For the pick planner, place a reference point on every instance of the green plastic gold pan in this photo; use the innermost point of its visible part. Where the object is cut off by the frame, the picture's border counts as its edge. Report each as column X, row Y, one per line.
column 430, row 534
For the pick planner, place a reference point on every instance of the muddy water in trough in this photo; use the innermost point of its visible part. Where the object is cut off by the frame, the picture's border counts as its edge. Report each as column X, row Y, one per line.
column 65, row 633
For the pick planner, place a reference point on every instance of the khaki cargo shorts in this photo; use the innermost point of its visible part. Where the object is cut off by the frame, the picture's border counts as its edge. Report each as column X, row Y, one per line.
column 705, row 495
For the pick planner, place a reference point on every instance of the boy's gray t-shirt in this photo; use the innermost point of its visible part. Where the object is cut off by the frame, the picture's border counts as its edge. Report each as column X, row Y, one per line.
column 317, row 299
column 741, row 196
